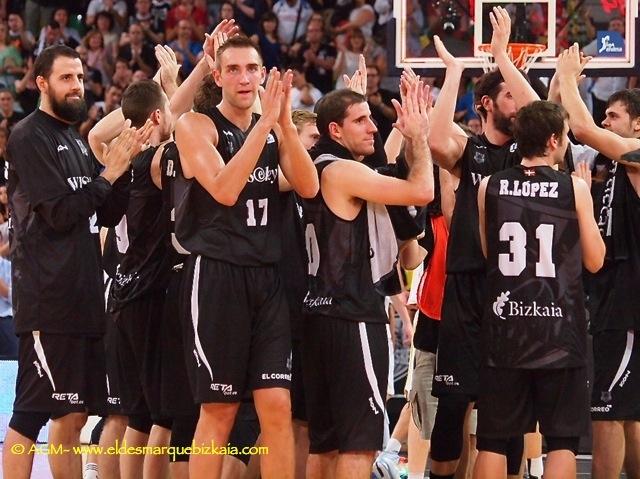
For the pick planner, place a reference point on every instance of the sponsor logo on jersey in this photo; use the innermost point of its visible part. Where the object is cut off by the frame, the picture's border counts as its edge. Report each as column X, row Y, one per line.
column 83, row 148
column 38, row 368
column 77, row 182
column 502, row 305
column 539, row 189
column 448, row 379
column 71, row 398
column 624, row 379
column 477, row 178
column 62, row 148
column 226, row 389
column 317, row 302
column 275, row 376
column 606, row 408
column 373, row 406
column 263, row 175
column 113, row 400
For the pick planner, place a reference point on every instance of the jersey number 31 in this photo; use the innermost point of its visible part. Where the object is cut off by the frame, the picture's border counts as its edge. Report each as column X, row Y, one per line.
column 514, row 262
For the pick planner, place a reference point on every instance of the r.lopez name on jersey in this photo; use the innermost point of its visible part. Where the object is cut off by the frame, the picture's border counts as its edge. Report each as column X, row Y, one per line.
column 263, row 175
column 540, row 189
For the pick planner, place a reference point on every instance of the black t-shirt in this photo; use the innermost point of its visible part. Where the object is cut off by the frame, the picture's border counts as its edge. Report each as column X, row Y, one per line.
column 534, row 312
column 480, row 159
column 147, row 55
column 57, row 203
column 319, row 77
column 617, row 211
column 247, row 233
column 340, row 283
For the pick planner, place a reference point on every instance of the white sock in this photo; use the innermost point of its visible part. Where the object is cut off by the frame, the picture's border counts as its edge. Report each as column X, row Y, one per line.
column 393, row 445
column 416, row 475
column 90, row 471
column 537, row 469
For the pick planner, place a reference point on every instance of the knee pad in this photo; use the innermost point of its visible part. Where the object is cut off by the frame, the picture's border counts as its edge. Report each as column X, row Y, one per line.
column 559, row 443
column 28, row 423
column 446, row 437
column 490, row 444
column 97, row 431
column 515, row 451
column 164, row 422
column 140, row 422
column 182, row 431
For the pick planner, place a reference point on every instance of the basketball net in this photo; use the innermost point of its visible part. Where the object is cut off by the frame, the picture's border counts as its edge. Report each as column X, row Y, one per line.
column 521, row 54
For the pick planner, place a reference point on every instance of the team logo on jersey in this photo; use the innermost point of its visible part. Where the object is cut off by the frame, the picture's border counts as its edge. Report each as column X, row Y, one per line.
column 498, row 304
column 605, row 396
column 229, row 137
column 62, row 148
column 479, row 157
column 83, row 148
column 270, row 139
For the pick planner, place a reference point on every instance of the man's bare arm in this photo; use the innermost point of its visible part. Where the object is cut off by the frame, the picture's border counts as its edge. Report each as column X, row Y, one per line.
column 482, row 192
column 593, row 247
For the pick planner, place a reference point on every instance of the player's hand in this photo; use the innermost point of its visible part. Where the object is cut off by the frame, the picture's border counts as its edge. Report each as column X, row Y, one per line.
column 272, row 98
column 501, row 23
column 169, row 66
column 118, row 154
column 583, row 171
column 284, row 120
column 447, row 58
column 221, row 33
column 358, row 82
column 570, row 62
column 413, row 113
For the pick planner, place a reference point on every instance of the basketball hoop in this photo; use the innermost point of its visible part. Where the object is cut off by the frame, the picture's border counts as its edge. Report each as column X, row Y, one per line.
column 521, row 54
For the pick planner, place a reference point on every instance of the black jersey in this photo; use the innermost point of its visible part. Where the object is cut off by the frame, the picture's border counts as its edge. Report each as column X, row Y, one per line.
column 115, row 246
column 57, row 203
column 247, row 233
column 617, row 212
column 534, row 315
column 480, row 159
column 171, row 168
column 340, row 283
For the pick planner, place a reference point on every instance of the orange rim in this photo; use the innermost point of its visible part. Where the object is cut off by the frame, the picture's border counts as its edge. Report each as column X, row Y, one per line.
column 518, row 52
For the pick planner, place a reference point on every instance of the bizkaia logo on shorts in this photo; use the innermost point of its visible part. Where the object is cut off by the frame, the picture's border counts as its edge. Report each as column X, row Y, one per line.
column 226, row 389
column 504, row 307
column 71, row 398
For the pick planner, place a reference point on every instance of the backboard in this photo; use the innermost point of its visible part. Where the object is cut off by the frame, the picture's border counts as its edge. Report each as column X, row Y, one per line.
column 605, row 29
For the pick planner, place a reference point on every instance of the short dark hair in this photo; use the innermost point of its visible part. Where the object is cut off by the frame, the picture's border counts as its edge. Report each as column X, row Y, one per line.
column 238, row 41
column 44, row 63
column 333, row 108
column 535, row 124
column 207, row 96
column 630, row 98
column 140, row 99
column 489, row 85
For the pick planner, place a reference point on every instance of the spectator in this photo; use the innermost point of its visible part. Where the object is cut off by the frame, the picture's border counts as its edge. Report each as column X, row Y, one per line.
column 20, row 37
column 465, row 106
column 117, row 8
column 267, row 40
column 93, row 87
column 137, row 52
column 123, row 75
column 226, row 10
column 475, row 125
column 4, row 170
column 382, row 110
column 362, row 16
column 10, row 60
column 247, row 13
column 37, row 13
column 106, row 26
column 186, row 10
column 27, row 92
column 187, row 51
column 159, row 12
column 293, row 17
column 376, row 55
column 348, row 56
column 8, row 114
column 304, row 95
column 318, row 57
column 51, row 35
column 98, row 56
column 99, row 109
column 143, row 16
column 69, row 35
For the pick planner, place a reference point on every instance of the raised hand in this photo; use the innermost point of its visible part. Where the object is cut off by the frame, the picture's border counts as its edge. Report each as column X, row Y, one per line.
column 358, row 82
column 285, row 108
column 118, row 154
column 571, row 62
column 272, row 98
column 501, row 23
column 447, row 58
column 583, row 171
column 169, row 66
column 413, row 113
column 214, row 40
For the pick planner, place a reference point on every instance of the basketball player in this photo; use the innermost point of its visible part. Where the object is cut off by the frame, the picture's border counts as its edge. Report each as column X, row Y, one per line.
column 615, row 320
column 537, row 230
column 230, row 220
column 498, row 96
column 58, row 198
column 345, row 345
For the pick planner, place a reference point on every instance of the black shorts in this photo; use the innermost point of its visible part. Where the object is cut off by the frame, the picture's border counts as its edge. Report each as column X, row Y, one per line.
column 511, row 401
column 175, row 391
column 458, row 357
column 138, row 349
column 298, row 401
column 60, row 374
column 616, row 385
column 240, row 339
column 114, row 404
column 346, row 369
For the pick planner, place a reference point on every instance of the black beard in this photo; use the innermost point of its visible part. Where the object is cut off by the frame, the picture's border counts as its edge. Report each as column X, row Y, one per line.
column 503, row 123
column 69, row 111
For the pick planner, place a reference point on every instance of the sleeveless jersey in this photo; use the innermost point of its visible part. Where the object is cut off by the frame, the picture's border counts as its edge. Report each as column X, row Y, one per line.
column 480, row 159
column 170, row 169
column 617, row 212
column 340, row 284
column 247, row 233
column 534, row 315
